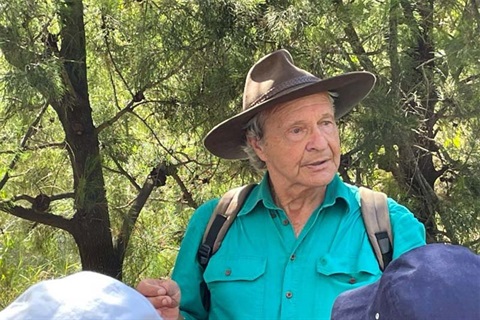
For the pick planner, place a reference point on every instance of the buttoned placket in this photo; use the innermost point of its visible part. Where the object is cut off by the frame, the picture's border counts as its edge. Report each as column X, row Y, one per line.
column 292, row 273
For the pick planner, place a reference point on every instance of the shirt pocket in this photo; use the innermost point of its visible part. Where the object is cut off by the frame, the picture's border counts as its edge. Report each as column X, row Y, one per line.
column 236, row 282
column 348, row 272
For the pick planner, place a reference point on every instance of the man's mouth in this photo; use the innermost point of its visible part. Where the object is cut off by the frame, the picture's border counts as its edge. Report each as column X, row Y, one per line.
column 316, row 163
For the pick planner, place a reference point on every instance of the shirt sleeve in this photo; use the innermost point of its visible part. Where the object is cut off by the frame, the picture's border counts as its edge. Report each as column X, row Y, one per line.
column 187, row 271
column 407, row 232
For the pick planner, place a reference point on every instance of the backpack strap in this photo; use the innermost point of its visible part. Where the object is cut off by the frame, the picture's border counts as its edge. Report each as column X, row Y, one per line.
column 376, row 218
column 220, row 221
column 374, row 213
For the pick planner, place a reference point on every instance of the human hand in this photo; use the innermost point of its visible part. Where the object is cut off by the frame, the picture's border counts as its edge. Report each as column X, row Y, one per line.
column 164, row 296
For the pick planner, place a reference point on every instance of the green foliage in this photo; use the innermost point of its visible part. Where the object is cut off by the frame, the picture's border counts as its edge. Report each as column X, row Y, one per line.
column 162, row 73
column 20, row 262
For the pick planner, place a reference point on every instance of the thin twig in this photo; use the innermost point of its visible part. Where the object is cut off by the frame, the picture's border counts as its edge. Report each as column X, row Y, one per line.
column 23, row 143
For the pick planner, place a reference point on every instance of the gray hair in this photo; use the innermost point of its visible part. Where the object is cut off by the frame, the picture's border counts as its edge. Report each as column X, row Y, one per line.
column 254, row 129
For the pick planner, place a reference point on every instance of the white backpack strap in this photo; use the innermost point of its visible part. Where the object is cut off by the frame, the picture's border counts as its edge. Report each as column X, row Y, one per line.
column 376, row 218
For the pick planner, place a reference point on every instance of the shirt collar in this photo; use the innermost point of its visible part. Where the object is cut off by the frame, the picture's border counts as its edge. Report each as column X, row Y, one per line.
column 336, row 189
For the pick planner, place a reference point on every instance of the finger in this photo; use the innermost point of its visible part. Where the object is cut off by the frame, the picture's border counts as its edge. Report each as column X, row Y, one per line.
column 151, row 287
column 169, row 302
column 156, row 302
column 160, row 302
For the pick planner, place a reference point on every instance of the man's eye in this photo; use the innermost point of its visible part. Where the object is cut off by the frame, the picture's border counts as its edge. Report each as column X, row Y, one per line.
column 296, row 130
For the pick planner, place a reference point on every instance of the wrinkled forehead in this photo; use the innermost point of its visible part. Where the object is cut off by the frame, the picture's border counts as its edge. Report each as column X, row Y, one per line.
column 260, row 119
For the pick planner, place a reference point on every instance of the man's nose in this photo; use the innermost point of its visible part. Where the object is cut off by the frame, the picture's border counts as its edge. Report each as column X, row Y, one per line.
column 317, row 140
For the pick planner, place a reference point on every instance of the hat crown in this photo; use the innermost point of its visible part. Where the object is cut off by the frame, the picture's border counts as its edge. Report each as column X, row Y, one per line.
column 271, row 76
column 434, row 281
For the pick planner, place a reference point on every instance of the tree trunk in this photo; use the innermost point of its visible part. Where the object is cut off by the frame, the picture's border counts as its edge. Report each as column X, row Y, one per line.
column 91, row 227
column 416, row 162
column 94, row 242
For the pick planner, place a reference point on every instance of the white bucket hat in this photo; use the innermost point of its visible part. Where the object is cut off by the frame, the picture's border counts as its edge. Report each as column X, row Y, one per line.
column 84, row 295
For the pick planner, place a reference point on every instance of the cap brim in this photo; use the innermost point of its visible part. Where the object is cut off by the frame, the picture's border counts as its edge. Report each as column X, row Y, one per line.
column 354, row 304
column 227, row 138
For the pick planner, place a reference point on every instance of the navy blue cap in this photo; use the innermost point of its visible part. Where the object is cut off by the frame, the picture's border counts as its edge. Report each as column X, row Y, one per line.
column 435, row 281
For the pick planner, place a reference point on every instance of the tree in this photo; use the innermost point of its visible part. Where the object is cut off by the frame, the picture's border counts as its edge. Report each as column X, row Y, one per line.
column 47, row 49
column 424, row 90
column 90, row 225
column 101, row 94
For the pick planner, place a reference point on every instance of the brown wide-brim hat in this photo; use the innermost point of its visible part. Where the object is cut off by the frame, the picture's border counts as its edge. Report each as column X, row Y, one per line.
column 274, row 79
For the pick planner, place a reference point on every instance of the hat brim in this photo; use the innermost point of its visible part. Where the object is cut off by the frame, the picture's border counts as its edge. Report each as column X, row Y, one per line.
column 227, row 138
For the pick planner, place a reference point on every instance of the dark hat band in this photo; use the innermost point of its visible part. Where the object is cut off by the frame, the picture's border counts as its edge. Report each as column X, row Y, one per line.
column 283, row 86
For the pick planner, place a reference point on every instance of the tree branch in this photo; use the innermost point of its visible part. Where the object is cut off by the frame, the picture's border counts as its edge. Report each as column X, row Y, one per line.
column 60, row 196
column 186, row 194
column 353, row 38
column 34, row 148
column 35, row 216
column 23, row 143
column 109, row 51
column 124, row 173
column 393, row 47
column 128, row 108
column 191, row 51
column 470, row 79
column 167, row 150
column 155, row 179
column 476, row 13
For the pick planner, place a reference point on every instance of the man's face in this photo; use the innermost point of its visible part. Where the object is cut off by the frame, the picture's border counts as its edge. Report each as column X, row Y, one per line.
column 301, row 144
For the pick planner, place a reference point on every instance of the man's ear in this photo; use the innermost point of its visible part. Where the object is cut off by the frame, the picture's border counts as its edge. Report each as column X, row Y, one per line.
column 257, row 146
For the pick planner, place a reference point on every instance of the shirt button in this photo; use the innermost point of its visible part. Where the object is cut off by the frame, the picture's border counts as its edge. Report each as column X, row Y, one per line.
column 289, row 294
column 273, row 215
column 292, row 257
column 352, row 280
column 285, row 222
column 228, row 272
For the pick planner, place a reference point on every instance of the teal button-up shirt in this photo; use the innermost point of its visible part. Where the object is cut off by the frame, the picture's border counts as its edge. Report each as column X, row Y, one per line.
column 263, row 271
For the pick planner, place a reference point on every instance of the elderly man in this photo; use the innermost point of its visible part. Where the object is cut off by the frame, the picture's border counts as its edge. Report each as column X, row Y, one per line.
column 299, row 239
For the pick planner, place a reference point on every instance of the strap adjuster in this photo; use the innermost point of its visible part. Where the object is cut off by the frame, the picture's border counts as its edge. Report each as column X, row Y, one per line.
column 204, row 254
